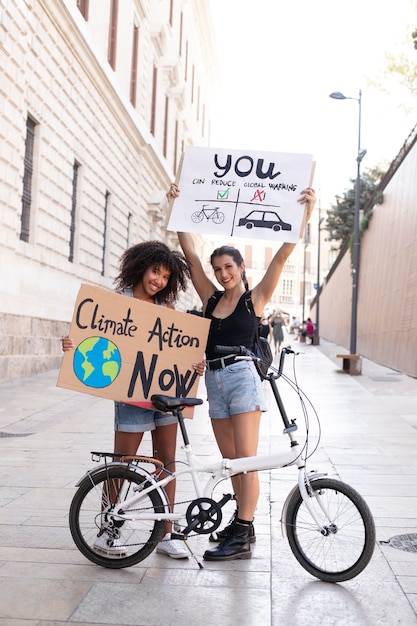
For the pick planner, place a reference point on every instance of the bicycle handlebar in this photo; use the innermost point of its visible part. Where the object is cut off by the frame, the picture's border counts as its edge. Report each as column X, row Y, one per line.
column 239, row 350
column 246, row 352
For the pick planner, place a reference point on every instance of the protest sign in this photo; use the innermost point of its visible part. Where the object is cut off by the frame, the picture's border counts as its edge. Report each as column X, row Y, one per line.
column 127, row 350
column 241, row 193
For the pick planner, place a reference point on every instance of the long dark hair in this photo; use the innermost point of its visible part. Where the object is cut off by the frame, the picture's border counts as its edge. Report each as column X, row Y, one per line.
column 138, row 258
column 236, row 256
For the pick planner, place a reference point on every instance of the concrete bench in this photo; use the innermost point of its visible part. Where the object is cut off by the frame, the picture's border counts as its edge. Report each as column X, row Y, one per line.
column 352, row 363
column 303, row 338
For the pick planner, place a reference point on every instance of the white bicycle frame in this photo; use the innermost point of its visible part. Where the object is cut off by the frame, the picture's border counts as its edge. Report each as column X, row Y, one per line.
column 219, row 471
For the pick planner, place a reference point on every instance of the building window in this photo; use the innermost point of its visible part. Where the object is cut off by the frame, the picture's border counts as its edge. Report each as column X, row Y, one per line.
column 186, row 62
column 268, row 256
column 27, row 179
column 180, row 33
column 287, row 287
column 134, row 71
column 153, row 105
column 176, row 147
column 165, row 147
column 248, row 256
column 129, row 230
column 106, row 210
column 307, row 234
column 114, row 7
column 75, row 171
column 82, row 5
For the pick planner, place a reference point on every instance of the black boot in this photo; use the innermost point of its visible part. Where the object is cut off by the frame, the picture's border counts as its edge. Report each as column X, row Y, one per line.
column 228, row 530
column 236, row 546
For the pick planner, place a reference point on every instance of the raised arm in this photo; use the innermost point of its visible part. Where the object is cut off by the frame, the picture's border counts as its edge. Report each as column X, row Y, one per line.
column 202, row 284
column 262, row 292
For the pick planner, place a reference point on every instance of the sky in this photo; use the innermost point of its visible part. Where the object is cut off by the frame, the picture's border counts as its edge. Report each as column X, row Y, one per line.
column 280, row 60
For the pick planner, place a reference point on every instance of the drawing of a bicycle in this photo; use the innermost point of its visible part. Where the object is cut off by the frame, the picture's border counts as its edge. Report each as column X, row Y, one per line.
column 210, row 214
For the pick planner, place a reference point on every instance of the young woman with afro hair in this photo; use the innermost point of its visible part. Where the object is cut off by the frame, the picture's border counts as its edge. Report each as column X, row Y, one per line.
column 153, row 273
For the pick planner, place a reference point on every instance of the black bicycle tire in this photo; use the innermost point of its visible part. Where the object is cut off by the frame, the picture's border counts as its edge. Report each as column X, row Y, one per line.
column 218, row 218
column 303, row 534
column 197, row 217
column 153, row 535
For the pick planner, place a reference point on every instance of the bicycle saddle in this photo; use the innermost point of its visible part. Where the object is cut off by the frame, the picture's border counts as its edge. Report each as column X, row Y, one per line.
column 167, row 403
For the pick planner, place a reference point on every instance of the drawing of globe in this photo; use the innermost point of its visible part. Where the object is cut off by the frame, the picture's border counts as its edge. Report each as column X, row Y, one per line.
column 97, row 362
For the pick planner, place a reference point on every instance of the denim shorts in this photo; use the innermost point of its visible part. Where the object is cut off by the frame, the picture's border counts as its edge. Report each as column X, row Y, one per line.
column 235, row 389
column 135, row 419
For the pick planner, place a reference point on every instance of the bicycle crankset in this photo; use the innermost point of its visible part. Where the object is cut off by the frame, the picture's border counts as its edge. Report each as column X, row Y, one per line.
column 203, row 516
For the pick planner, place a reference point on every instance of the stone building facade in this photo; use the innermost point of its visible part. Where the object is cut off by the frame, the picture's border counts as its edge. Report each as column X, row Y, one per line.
column 98, row 100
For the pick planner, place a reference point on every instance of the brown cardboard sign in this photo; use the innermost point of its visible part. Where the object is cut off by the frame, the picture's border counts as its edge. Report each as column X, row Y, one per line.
column 127, row 350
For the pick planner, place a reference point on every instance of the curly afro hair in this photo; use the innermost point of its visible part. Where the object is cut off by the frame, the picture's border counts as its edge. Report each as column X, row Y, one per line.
column 136, row 260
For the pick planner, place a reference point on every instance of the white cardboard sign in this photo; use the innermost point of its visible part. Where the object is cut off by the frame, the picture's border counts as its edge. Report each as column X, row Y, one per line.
column 241, row 193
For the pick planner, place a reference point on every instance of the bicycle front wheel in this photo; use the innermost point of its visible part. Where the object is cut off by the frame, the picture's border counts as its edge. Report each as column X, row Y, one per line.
column 343, row 545
column 218, row 217
column 101, row 535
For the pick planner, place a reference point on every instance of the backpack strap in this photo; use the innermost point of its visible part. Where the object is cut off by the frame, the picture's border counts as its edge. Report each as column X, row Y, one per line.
column 212, row 302
column 249, row 306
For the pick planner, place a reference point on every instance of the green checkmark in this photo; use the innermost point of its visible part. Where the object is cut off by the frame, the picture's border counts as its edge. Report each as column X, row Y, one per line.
column 222, row 195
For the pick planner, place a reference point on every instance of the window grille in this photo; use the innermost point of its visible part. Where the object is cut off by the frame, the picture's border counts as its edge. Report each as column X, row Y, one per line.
column 73, row 210
column 106, row 208
column 153, row 106
column 134, row 71
column 113, row 33
column 129, row 229
column 166, row 122
column 27, row 179
column 82, row 5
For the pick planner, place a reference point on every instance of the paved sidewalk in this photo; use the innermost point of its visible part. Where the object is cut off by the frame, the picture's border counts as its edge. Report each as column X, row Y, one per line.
column 369, row 440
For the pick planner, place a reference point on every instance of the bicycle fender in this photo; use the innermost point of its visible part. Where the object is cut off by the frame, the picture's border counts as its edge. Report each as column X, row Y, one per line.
column 284, row 512
column 311, row 478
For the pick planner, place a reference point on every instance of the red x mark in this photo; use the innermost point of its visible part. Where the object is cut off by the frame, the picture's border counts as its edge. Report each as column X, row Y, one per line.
column 259, row 195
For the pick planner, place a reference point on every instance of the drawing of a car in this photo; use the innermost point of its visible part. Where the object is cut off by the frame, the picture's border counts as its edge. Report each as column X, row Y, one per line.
column 264, row 219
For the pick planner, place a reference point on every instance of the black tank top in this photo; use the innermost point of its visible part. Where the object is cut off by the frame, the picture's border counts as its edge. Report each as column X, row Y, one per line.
column 235, row 330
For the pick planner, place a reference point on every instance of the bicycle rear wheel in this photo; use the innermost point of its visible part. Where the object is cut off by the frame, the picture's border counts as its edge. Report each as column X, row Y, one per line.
column 107, row 540
column 344, row 544
column 197, row 216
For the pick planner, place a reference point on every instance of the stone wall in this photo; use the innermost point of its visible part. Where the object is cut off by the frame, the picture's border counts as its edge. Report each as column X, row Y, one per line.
column 29, row 345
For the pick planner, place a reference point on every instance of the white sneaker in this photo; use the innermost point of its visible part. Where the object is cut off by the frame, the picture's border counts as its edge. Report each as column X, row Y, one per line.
column 174, row 548
column 109, row 547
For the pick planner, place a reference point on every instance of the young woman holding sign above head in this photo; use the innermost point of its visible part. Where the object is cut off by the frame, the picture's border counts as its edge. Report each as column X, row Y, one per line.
column 234, row 387
column 151, row 272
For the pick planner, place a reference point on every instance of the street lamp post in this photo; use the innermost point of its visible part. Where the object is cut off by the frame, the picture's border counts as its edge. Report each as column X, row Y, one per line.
column 337, row 95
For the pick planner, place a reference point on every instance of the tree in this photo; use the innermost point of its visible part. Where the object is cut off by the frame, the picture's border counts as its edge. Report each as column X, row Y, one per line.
column 340, row 217
column 399, row 75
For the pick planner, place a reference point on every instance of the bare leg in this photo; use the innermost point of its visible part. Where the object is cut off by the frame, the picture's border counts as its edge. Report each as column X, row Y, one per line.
column 127, row 443
column 164, row 440
column 223, row 433
column 239, row 434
